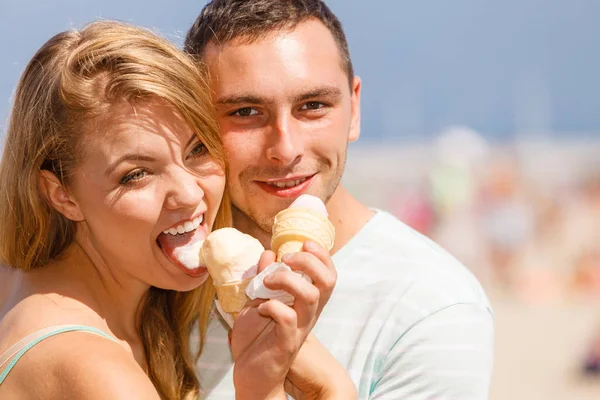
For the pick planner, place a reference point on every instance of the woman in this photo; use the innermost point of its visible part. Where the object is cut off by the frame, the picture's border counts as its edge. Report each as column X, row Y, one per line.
column 112, row 162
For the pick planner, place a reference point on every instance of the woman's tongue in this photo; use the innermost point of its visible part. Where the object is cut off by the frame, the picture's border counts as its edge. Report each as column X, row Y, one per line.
column 184, row 249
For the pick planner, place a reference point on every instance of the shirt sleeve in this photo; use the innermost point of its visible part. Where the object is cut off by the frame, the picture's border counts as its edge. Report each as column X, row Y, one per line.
column 445, row 356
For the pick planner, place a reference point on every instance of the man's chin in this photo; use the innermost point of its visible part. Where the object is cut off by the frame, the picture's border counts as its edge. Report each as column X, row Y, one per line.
column 263, row 221
column 253, row 220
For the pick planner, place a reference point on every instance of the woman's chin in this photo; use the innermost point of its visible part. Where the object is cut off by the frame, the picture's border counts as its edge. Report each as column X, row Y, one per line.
column 192, row 278
column 198, row 272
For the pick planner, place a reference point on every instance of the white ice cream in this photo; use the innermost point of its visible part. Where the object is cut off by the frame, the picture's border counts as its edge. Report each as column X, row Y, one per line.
column 231, row 255
column 190, row 255
column 311, row 202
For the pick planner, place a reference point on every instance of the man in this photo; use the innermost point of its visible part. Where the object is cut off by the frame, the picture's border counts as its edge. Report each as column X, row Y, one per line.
column 406, row 319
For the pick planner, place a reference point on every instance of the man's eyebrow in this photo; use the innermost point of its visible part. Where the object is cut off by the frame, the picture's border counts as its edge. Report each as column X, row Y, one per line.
column 325, row 91
column 241, row 99
column 127, row 157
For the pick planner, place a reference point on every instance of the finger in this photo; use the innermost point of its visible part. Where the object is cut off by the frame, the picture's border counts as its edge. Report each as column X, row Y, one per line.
column 267, row 258
column 254, row 303
column 286, row 320
column 251, row 304
column 306, row 295
column 248, row 326
column 320, row 252
column 324, row 278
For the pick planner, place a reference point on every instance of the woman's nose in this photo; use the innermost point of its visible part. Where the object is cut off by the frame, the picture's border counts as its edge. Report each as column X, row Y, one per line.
column 185, row 190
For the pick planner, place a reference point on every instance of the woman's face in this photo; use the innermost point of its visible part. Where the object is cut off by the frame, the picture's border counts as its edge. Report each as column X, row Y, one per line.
column 148, row 192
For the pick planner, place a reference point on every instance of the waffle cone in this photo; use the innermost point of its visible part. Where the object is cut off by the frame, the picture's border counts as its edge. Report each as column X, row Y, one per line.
column 232, row 296
column 291, row 246
column 293, row 226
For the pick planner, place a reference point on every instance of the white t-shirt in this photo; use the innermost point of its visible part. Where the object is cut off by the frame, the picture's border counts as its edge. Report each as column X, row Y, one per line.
column 406, row 319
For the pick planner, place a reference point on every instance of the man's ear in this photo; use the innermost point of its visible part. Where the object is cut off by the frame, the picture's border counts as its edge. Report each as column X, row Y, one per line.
column 355, row 110
column 58, row 197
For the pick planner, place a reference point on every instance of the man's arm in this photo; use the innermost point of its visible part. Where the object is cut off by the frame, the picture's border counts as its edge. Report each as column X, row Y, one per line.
column 447, row 355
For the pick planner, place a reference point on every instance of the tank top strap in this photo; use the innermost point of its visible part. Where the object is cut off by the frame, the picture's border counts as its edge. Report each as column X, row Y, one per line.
column 16, row 351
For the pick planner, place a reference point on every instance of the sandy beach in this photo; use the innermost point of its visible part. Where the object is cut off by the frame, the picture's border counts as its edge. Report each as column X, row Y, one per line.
column 539, row 348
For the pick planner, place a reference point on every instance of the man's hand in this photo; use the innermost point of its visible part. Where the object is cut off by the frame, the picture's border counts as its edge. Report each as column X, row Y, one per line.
column 267, row 335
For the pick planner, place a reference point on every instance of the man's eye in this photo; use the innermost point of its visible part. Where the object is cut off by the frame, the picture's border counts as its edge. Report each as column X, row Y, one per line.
column 312, row 105
column 133, row 177
column 245, row 112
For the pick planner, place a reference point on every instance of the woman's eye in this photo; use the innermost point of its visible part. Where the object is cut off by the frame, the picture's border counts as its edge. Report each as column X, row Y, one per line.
column 198, row 150
column 133, row 176
column 312, row 105
column 245, row 112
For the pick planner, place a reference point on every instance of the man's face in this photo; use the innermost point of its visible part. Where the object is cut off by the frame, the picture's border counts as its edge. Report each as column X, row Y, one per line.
column 286, row 114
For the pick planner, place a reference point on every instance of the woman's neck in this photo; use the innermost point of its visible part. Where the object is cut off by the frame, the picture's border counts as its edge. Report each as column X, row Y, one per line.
column 8, row 286
column 81, row 274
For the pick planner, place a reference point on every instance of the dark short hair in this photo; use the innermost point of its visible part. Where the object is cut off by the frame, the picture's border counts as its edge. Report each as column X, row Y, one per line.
column 224, row 20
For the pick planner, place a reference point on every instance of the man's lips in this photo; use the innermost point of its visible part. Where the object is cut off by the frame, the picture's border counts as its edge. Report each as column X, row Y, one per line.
column 290, row 187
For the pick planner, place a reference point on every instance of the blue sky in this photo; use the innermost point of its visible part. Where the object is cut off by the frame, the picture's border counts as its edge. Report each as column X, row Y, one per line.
column 500, row 67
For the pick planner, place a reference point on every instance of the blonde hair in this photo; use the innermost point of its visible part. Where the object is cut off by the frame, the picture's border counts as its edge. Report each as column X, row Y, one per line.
column 66, row 89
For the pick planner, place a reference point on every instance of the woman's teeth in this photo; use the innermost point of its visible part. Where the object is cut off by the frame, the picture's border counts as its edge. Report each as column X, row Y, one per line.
column 287, row 183
column 185, row 227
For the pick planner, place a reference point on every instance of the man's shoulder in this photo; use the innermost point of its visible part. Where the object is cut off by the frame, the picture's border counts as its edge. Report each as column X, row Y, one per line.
column 392, row 255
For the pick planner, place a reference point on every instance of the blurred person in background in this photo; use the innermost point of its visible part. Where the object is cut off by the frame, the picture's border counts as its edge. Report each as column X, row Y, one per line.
column 455, row 182
column 413, row 206
column 541, row 267
column 585, row 233
column 507, row 217
column 406, row 319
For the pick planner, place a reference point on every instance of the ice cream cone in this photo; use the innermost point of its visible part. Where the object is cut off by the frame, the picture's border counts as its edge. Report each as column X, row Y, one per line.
column 232, row 296
column 299, row 223
column 231, row 258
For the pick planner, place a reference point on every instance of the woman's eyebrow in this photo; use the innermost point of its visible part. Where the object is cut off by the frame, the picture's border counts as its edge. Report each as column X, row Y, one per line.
column 127, row 157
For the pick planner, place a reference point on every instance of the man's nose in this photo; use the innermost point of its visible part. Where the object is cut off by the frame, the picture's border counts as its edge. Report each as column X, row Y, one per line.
column 285, row 145
column 185, row 190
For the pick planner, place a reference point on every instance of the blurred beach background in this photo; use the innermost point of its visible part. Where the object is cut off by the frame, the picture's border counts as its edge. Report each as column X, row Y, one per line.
column 480, row 128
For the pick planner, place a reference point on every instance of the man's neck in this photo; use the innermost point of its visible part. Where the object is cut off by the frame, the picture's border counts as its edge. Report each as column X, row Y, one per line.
column 346, row 213
column 348, row 216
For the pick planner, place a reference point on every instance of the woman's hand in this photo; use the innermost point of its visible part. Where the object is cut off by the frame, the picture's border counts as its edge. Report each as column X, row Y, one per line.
column 316, row 374
column 267, row 335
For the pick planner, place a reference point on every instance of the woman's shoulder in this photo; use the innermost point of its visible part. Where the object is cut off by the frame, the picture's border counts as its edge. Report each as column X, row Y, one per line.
column 76, row 364
column 23, row 315
column 92, row 367
column 70, row 352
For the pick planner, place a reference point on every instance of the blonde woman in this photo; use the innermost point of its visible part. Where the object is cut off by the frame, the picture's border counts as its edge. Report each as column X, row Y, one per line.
column 112, row 162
